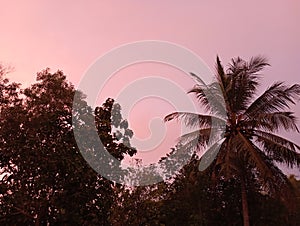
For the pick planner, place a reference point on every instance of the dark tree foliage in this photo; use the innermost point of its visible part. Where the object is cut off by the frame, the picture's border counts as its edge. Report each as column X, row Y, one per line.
column 45, row 179
column 139, row 206
column 192, row 198
column 218, row 202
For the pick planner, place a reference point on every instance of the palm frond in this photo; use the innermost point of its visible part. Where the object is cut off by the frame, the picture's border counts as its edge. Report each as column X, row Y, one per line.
column 277, row 139
column 224, row 83
column 194, row 120
column 210, row 96
column 209, row 156
column 275, row 98
column 256, row 64
column 205, row 136
column 254, row 155
column 272, row 179
column 192, row 144
column 278, row 148
column 243, row 82
column 202, row 135
column 235, row 66
column 221, row 75
column 272, row 121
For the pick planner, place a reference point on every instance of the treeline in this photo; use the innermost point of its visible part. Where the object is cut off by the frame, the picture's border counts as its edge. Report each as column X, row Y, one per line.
column 44, row 180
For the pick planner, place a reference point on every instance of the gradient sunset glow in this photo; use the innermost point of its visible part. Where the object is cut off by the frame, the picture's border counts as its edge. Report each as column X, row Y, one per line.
column 71, row 35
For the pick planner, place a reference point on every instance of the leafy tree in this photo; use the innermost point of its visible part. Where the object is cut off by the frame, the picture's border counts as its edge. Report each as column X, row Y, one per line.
column 250, row 146
column 46, row 180
column 139, row 205
column 9, row 102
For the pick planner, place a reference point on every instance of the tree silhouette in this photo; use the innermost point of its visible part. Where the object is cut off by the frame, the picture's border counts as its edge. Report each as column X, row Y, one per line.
column 249, row 145
column 45, row 180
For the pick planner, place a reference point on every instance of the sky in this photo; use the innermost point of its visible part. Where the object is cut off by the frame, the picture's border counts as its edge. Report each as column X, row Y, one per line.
column 72, row 35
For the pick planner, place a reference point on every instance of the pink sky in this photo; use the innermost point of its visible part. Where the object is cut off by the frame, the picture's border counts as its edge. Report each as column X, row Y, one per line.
column 71, row 35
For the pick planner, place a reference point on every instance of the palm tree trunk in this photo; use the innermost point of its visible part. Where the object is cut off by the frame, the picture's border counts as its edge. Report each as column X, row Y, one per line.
column 244, row 203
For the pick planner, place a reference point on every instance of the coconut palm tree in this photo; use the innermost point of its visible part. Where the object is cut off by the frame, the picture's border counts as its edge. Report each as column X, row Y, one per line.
column 239, row 133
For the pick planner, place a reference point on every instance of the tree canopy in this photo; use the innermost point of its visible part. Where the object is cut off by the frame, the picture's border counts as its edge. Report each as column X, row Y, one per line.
column 46, row 180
